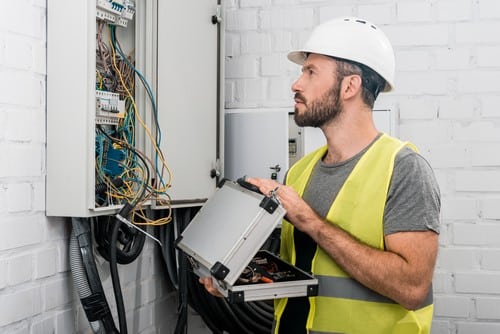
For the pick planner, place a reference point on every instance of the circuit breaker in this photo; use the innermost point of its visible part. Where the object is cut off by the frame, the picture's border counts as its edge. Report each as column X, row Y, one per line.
column 128, row 119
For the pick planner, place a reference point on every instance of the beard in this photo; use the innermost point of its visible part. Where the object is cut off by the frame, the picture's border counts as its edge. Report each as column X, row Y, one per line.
column 319, row 112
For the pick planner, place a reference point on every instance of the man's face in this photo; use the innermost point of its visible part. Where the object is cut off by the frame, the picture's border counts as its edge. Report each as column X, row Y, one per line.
column 317, row 92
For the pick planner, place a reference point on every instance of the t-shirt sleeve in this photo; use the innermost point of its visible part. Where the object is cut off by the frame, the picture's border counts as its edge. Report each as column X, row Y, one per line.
column 413, row 202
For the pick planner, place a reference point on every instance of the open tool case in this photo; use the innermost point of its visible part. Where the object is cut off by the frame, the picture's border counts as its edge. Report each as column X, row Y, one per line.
column 224, row 241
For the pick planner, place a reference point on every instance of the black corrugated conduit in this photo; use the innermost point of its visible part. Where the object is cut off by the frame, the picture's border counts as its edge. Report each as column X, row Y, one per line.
column 86, row 278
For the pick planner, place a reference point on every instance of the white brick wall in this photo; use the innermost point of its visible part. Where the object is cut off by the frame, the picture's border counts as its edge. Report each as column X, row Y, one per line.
column 448, row 69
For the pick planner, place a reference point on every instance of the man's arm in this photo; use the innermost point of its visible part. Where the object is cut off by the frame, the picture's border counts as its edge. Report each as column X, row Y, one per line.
column 401, row 272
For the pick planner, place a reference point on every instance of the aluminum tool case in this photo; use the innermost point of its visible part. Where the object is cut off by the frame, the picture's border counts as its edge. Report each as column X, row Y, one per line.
column 226, row 236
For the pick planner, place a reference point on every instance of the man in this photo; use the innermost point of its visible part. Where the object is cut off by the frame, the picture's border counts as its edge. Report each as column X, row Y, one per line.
column 362, row 211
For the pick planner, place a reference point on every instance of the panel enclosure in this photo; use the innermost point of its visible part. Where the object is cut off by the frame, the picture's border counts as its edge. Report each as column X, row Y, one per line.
column 189, row 96
column 75, row 106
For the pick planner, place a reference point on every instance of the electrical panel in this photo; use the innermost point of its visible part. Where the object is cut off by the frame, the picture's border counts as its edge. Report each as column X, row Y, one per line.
column 117, row 130
column 256, row 143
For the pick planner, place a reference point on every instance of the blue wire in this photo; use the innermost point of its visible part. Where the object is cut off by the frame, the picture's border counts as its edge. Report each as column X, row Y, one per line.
column 149, row 91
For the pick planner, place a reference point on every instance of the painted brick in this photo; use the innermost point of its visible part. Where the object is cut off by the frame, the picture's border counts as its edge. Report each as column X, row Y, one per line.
column 57, row 292
column 488, row 308
column 2, row 51
column 19, row 269
column 3, row 198
column 38, row 196
column 279, row 90
column 458, row 108
column 478, row 81
column 477, row 283
column 447, row 156
column 281, row 41
column 272, row 65
column 3, row 123
column 24, row 160
column 19, row 328
column 241, row 67
column 19, row 197
column 30, row 93
column 460, row 209
column 418, row 108
column 62, row 256
column 20, row 125
column 458, row 259
column 3, row 273
column 250, row 91
column 43, row 325
column 457, row 307
column 488, row 9
column 483, row 155
column 241, row 20
column 27, row 229
column 31, row 23
column 229, row 93
column 422, row 83
column 490, row 208
column 254, row 3
column 488, row 56
column 19, row 305
column 45, row 262
column 425, row 132
column 440, row 326
column 454, row 10
column 287, row 18
column 442, row 282
column 412, row 60
column 378, row 14
column 414, row 11
column 481, row 234
column 39, row 57
column 329, row 12
column 232, row 45
column 485, row 181
column 18, row 53
column 64, row 321
column 255, row 43
column 452, row 58
column 490, row 260
column 477, row 32
column 477, row 327
column 490, row 106
column 418, row 35
column 482, row 131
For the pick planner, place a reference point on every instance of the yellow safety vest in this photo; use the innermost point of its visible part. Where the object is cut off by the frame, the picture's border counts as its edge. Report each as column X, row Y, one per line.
column 343, row 305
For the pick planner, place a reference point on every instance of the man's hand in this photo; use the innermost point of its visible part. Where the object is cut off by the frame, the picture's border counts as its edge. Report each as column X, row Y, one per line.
column 209, row 286
column 298, row 212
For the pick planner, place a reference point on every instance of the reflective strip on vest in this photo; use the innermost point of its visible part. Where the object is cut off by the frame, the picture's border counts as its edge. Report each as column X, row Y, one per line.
column 345, row 287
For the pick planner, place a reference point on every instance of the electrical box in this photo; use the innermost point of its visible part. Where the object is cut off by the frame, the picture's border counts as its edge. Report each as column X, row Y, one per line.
column 239, row 221
column 256, row 143
column 132, row 112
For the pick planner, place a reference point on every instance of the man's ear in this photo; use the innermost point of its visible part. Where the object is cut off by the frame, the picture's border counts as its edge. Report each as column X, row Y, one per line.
column 351, row 86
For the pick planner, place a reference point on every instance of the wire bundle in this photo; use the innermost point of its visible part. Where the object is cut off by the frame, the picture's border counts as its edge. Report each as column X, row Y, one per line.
column 134, row 178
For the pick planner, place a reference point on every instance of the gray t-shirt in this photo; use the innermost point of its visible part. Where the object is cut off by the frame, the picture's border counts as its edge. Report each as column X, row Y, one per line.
column 413, row 202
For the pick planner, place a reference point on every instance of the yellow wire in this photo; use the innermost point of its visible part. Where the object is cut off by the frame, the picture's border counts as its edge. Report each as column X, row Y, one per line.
column 138, row 117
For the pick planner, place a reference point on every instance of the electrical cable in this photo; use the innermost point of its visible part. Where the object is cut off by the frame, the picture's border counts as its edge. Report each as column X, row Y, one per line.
column 87, row 280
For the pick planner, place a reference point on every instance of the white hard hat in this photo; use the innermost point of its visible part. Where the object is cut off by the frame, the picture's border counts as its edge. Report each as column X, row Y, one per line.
column 351, row 39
